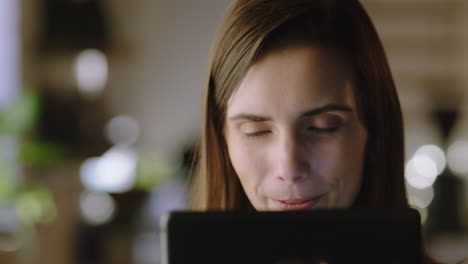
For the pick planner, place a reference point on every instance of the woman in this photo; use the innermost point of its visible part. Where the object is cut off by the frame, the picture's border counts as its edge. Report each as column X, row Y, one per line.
column 301, row 111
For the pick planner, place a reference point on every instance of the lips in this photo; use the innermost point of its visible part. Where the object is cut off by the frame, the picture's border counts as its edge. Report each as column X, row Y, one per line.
column 297, row 204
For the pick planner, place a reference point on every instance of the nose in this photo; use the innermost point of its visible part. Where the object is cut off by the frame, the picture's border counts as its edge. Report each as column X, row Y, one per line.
column 292, row 163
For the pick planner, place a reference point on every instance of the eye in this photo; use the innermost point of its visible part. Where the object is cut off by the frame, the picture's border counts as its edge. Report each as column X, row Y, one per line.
column 255, row 129
column 323, row 130
column 258, row 134
column 325, row 124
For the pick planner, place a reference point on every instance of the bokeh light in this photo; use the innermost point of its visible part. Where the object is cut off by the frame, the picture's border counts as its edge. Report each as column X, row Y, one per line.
column 9, row 51
column 435, row 153
column 9, row 222
column 457, row 157
column 122, row 129
column 420, row 171
column 96, row 208
column 113, row 172
column 35, row 204
column 425, row 166
column 9, row 168
column 423, row 212
column 91, row 71
column 421, row 198
column 153, row 170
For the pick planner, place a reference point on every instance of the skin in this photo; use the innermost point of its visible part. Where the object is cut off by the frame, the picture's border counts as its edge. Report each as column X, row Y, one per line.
column 293, row 133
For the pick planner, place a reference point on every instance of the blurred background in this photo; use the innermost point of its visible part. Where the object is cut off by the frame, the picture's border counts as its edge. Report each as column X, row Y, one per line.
column 100, row 102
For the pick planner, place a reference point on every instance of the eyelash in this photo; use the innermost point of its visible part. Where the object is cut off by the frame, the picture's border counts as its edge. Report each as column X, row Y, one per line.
column 327, row 130
column 257, row 134
column 324, row 130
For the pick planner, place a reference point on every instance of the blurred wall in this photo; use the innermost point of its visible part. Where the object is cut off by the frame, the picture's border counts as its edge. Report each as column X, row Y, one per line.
column 157, row 65
column 157, row 69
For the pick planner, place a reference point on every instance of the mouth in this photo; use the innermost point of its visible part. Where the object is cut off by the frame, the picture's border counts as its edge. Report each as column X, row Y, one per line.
column 297, row 204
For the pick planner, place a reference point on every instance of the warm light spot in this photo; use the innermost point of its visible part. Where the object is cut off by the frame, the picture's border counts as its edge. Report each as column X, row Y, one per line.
column 96, row 208
column 113, row 172
column 435, row 153
column 425, row 166
column 9, row 51
column 423, row 213
column 35, row 204
column 420, row 171
column 9, row 222
column 91, row 70
column 421, row 198
column 122, row 129
column 457, row 157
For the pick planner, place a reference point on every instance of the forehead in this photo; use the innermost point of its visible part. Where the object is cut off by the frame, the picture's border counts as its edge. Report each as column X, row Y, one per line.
column 294, row 79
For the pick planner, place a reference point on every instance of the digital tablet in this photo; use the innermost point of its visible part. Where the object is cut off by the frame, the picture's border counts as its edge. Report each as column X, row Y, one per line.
column 319, row 236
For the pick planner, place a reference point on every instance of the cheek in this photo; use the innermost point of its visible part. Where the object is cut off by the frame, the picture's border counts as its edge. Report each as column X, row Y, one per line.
column 345, row 161
column 355, row 153
column 249, row 162
column 327, row 162
column 347, row 175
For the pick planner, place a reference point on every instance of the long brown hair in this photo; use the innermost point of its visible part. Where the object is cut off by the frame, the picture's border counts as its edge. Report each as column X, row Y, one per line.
column 254, row 27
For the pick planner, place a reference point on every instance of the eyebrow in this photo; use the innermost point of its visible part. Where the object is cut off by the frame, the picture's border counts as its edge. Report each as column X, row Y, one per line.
column 327, row 108
column 313, row 112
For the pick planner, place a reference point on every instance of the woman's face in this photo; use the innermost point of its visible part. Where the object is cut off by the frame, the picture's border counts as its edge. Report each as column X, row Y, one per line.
column 293, row 132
